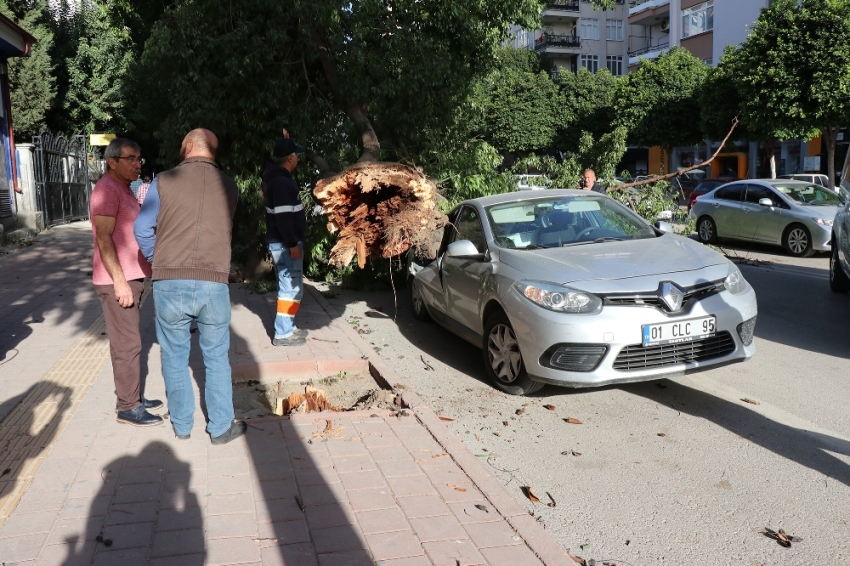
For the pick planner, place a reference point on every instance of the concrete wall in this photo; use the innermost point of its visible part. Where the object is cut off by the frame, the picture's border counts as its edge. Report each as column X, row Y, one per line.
column 731, row 18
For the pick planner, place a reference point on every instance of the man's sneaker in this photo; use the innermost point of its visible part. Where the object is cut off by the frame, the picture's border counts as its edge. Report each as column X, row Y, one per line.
column 300, row 332
column 138, row 417
column 151, row 404
column 237, row 429
column 291, row 340
column 183, row 436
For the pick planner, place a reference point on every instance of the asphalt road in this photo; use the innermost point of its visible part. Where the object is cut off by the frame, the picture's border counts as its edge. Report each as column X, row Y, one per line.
column 674, row 472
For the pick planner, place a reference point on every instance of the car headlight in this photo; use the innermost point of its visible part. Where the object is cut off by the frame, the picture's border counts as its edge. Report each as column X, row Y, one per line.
column 735, row 282
column 559, row 298
column 823, row 221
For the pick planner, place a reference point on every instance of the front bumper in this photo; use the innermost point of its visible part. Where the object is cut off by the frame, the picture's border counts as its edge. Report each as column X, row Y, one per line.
column 821, row 238
column 618, row 329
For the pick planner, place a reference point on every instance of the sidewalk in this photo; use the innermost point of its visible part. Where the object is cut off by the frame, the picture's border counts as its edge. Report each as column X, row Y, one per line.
column 360, row 487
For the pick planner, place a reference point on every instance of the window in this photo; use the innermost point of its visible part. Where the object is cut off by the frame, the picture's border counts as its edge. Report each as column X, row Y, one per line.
column 589, row 28
column 590, row 62
column 698, row 19
column 731, row 192
column 615, row 65
column 614, row 30
column 469, row 228
column 757, row 192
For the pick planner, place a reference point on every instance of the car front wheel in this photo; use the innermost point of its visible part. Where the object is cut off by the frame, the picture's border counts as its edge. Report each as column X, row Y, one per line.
column 706, row 230
column 838, row 280
column 503, row 359
column 797, row 241
column 420, row 311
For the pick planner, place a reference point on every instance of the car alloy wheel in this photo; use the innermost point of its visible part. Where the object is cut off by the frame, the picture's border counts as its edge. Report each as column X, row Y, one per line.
column 420, row 311
column 504, row 354
column 798, row 242
column 707, row 231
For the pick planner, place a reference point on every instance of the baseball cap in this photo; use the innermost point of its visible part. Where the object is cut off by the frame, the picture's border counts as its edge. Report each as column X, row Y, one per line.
column 285, row 146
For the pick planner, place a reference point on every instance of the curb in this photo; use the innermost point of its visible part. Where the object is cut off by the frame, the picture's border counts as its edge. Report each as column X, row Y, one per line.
column 536, row 538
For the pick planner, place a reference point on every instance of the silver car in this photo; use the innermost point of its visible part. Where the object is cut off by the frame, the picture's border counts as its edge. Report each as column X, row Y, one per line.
column 794, row 214
column 572, row 288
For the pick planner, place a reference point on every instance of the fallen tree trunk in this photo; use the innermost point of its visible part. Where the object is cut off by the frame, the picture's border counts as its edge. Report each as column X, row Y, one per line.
column 381, row 210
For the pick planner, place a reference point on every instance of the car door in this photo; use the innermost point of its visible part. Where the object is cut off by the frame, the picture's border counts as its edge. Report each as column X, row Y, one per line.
column 726, row 209
column 463, row 278
column 763, row 223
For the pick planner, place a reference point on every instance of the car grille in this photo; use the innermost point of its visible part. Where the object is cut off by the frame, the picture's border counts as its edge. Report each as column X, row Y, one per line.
column 651, row 298
column 637, row 356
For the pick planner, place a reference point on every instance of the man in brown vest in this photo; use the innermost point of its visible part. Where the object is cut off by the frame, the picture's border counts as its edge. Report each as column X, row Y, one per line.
column 184, row 229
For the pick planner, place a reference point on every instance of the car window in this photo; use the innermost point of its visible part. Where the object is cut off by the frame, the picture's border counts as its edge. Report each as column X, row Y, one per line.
column 469, row 228
column 809, row 195
column 758, row 192
column 734, row 192
column 706, row 186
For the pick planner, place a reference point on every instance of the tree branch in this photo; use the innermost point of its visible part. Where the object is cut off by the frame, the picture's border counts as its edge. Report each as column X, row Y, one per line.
column 683, row 171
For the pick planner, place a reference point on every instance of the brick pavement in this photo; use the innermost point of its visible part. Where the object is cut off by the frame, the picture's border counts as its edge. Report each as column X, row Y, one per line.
column 318, row 489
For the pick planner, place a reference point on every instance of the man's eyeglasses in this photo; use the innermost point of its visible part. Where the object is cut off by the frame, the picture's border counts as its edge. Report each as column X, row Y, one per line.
column 141, row 160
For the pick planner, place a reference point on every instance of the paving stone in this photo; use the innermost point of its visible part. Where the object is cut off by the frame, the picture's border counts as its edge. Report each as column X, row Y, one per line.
column 229, row 504
column 67, row 530
column 235, row 525
column 289, row 555
column 448, row 552
column 122, row 557
column 382, row 521
column 126, row 513
column 136, row 535
column 22, row 548
column 372, row 479
column 388, row 546
column 173, row 543
column 406, row 486
column 333, row 515
column 28, row 524
column 486, row 535
column 232, row 550
column 409, row 561
column 443, row 527
column 518, row 555
column 179, row 519
column 338, row 539
column 369, row 499
column 81, row 554
column 350, row 558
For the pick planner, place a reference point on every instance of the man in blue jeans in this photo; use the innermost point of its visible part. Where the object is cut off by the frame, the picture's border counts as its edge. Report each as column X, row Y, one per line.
column 285, row 226
column 184, row 229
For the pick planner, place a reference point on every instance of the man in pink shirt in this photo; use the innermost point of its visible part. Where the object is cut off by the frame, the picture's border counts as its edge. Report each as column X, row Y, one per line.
column 118, row 275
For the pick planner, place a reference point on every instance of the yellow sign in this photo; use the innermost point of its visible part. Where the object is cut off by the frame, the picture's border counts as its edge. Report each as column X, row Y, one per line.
column 100, row 139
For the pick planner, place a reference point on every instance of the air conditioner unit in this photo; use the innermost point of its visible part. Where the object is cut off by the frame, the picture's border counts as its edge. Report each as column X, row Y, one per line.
column 665, row 25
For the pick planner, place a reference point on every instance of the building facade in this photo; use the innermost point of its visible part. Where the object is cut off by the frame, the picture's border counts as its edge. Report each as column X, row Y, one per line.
column 574, row 35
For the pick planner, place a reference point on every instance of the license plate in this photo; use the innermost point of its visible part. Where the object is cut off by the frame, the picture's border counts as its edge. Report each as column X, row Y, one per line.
column 680, row 331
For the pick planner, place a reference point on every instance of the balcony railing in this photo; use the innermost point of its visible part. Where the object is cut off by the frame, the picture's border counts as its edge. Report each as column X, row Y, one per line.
column 568, row 6
column 553, row 40
column 648, row 49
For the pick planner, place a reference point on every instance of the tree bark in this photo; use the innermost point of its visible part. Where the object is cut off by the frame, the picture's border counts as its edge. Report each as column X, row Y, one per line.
column 354, row 109
column 830, row 136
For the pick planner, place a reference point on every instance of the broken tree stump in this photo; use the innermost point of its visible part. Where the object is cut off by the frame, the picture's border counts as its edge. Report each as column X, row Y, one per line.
column 381, row 210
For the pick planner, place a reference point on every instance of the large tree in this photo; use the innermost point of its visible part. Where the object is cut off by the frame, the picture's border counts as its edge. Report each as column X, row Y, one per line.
column 658, row 103
column 589, row 105
column 32, row 83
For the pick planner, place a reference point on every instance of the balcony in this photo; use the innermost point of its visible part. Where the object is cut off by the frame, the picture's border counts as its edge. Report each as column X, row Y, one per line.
column 650, row 52
column 648, row 12
column 552, row 43
column 561, row 11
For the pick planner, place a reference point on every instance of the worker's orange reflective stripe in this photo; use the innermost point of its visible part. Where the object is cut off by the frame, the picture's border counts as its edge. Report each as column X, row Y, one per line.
column 287, row 307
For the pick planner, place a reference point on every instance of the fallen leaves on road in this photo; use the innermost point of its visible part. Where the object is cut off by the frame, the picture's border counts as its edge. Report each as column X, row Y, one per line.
column 662, row 435
column 457, row 487
column 780, row 537
column 505, row 423
column 445, row 419
column 577, row 559
column 520, row 411
column 750, row 401
column 570, row 453
column 529, row 493
column 550, row 407
column 571, row 420
column 481, row 508
column 478, row 438
column 440, row 456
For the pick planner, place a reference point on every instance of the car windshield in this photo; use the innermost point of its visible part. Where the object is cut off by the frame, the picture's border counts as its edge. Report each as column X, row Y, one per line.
column 809, row 195
column 553, row 222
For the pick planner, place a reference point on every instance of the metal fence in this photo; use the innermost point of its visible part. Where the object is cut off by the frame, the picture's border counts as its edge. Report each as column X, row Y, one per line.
column 61, row 177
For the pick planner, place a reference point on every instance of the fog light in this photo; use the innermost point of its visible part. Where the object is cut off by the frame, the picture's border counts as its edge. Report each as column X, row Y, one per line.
column 573, row 357
column 746, row 329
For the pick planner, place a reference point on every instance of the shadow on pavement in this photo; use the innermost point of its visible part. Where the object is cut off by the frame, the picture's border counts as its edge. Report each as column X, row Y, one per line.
column 808, row 449
column 126, row 507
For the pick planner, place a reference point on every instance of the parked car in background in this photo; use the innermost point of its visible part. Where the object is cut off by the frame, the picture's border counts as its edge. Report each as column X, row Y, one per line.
column 574, row 289
column 704, row 187
column 794, row 214
column 814, row 178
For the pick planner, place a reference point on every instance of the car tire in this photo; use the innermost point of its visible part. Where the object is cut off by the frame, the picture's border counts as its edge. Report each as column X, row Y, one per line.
column 420, row 311
column 838, row 280
column 797, row 241
column 706, row 230
column 503, row 359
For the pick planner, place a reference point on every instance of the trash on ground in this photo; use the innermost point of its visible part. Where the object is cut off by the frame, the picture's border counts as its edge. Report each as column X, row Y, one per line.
column 529, row 493
column 571, row 420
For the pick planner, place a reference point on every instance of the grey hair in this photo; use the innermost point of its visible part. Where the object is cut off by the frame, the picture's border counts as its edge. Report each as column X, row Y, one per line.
column 591, row 170
column 113, row 150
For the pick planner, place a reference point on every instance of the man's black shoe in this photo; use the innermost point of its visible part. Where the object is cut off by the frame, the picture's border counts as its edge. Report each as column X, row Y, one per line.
column 150, row 404
column 237, row 429
column 300, row 333
column 138, row 417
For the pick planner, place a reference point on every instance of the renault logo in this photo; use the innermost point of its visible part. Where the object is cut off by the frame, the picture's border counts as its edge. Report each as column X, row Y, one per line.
column 672, row 296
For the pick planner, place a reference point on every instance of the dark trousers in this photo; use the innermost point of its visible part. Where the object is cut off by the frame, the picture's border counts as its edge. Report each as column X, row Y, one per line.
column 125, row 342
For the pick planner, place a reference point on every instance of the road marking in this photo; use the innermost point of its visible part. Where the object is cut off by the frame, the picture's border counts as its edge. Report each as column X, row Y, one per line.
column 28, row 432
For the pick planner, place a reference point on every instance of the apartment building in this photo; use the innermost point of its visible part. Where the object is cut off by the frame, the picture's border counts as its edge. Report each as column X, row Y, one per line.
column 574, row 35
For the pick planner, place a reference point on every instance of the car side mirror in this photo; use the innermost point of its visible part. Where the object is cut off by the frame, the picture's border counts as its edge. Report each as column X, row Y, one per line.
column 464, row 249
column 765, row 202
column 665, row 227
